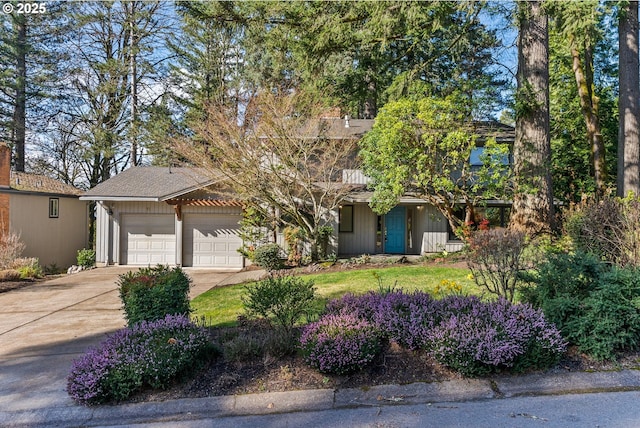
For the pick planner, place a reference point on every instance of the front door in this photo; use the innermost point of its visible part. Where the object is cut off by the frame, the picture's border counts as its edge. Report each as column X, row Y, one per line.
column 394, row 222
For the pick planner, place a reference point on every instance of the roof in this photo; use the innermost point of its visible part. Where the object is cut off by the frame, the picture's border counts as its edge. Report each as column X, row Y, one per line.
column 341, row 128
column 35, row 183
column 149, row 183
column 335, row 128
column 491, row 128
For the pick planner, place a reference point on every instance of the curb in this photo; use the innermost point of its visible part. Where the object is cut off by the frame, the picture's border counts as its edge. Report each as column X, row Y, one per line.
column 326, row 399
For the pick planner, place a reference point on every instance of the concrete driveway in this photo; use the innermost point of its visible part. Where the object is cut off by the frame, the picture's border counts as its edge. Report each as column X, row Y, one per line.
column 43, row 327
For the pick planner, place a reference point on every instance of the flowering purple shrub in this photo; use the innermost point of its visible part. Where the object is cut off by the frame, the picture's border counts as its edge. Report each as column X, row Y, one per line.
column 363, row 306
column 407, row 318
column 476, row 338
column 149, row 353
column 464, row 333
column 340, row 343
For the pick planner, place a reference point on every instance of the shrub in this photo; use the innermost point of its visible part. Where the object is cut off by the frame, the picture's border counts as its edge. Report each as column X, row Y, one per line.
column 9, row 275
column 147, row 354
column 496, row 260
column 324, row 237
column 10, row 249
column 281, row 298
column 28, row 267
column 86, row 258
column 268, row 257
column 563, row 276
column 294, row 237
column 407, row 318
column 464, row 333
column 340, row 344
column 594, row 305
column 476, row 338
column 609, row 228
column 253, row 339
column 152, row 293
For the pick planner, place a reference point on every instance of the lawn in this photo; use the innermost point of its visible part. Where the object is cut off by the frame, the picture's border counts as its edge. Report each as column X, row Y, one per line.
column 222, row 305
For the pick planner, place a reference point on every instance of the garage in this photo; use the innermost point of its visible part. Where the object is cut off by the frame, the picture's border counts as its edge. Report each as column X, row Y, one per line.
column 212, row 240
column 148, row 239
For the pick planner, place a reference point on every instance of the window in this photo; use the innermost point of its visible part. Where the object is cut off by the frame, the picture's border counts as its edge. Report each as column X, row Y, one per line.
column 460, row 214
column 54, row 207
column 497, row 216
column 346, row 218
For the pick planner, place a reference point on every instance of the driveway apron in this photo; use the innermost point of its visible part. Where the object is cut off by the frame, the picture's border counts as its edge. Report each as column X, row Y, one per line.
column 45, row 326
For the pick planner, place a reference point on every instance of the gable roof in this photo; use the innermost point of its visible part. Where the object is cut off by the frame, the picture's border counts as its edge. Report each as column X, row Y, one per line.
column 149, row 183
column 34, row 183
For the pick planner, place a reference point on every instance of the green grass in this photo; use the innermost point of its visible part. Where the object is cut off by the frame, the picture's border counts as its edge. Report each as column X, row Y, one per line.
column 221, row 306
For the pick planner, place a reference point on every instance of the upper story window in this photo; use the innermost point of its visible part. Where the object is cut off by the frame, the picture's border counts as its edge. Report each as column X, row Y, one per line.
column 54, row 207
column 476, row 160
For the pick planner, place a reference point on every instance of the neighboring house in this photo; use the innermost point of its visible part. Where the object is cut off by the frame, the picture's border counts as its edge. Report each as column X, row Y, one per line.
column 414, row 226
column 45, row 213
column 159, row 215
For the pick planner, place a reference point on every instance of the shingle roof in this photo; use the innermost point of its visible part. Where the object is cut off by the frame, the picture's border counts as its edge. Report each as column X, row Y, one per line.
column 150, row 183
column 41, row 184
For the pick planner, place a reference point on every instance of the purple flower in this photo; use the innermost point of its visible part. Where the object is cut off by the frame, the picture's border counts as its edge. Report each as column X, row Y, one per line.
column 150, row 353
column 340, row 343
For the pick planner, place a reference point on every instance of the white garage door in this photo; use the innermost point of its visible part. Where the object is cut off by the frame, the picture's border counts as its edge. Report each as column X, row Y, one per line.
column 212, row 240
column 148, row 239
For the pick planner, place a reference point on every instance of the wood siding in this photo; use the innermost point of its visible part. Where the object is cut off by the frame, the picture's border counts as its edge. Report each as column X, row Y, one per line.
column 363, row 238
column 428, row 235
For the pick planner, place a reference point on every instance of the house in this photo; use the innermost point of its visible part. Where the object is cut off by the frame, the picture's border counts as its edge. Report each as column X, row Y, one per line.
column 150, row 215
column 46, row 214
column 161, row 215
column 413, row 226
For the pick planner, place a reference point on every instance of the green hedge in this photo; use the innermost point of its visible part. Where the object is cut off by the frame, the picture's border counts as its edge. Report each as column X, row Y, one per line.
column 153, row 292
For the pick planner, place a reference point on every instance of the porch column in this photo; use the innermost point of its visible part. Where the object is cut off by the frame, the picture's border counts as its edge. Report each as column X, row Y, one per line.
column 178, row 226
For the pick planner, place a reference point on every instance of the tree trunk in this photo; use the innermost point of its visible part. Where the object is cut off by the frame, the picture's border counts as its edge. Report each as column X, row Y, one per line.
column 589, row 106
column 20, row 107
column 628, row 107
column 130, row 9
column 533, row 210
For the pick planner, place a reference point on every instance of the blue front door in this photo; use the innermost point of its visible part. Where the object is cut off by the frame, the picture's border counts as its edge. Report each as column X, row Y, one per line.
column 394, row 222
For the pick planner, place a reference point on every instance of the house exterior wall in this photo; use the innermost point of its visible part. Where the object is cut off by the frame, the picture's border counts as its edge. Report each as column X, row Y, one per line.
column 428, row 232
column 434, row 233
column 51, row 240
column 363, row 238
column 110, row 216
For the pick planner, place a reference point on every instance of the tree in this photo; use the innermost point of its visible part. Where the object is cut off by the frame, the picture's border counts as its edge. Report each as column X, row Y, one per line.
column 583, row 81
column 423, row 148
column 111, row 81
column 208, row 59
column 285, row 161
column 532, row 210
column 578, row 23
column 628, row 104
column 361, row 54
column 28, row 75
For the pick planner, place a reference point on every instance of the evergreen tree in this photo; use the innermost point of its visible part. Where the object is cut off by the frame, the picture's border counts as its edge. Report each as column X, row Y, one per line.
column 532, row 210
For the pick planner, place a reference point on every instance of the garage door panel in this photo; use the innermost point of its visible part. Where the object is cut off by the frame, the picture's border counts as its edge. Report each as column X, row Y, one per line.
column 149, row 239
column 212, row 240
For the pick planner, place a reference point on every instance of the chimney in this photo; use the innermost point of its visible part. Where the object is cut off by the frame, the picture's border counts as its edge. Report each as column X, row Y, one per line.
column 5, row 165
